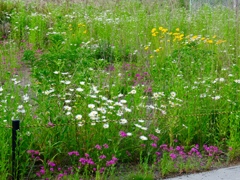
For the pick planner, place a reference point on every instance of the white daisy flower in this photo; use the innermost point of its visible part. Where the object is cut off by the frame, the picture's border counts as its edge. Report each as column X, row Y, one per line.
column 157, row 131
column 79, row 89
column 216, row 97
column 123, row 121
column 106, row 125
column 78, row 117
column 129, row 134
column 144, row 138
column 91, row 106
column 237, row 81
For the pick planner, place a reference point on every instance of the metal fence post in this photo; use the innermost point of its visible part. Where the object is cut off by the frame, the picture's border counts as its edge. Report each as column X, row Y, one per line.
column 15, row 143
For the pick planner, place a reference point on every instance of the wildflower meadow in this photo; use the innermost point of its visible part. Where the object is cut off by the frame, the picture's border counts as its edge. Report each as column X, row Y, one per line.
column 118, row 89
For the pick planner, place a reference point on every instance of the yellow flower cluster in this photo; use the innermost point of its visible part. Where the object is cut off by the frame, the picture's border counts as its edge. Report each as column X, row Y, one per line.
column 161, row 29
column 70, row 27
column 178, row 36
column 199, row 38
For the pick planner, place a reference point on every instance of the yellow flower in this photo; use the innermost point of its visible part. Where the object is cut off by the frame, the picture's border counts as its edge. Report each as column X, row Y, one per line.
column 146, row 48
column 157, row 50
column 203, row 38
column 214, row 36
column 84, row 32
column 154, row 34
column 220, row 41
column 154, row 30
column 210, row 41
column 151, row 56
column 177, row 29
column 194, row 37
column 160, row 28
column 164, row 30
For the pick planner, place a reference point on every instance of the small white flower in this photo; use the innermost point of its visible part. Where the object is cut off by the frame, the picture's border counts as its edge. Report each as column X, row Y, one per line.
column 140, row 120
column 26, row 97
column 216, row 97
column 20, row 107
column 106, row 125
column 91, row 106
column 111, row 107
column 78, row 117
column 137, row 125
column 144, row 138
column 56, row 72
column 123, row 101
column 237, row 81
column 133, row 91
column 93, row 123
column 173, row 94
column 80, row 124
column 67, row 101
column 123, row 121
column 127, row 109
column 1, row 89
column 129, row 134
column 157, row 131
column 221, row 79
column 119, row 113
column 82, row 83
column 68, row 113
column 203, row 95
column 64, row 73
column 67, row 82
column 155, row 95
column 120, row 95
column 67, row 108
column 144, row 128
column 93, row 115
column 79, row 89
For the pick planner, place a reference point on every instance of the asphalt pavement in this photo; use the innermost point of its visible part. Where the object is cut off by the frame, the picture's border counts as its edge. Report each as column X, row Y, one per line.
column 230, row 173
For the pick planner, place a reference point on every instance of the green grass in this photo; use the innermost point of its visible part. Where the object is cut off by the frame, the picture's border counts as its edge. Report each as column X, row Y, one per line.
column 131, row 74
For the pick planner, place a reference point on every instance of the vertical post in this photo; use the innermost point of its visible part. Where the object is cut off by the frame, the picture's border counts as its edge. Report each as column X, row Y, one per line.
column 15, row 143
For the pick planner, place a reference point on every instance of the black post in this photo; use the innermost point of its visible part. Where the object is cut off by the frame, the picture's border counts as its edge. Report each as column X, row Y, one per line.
column 15, row 143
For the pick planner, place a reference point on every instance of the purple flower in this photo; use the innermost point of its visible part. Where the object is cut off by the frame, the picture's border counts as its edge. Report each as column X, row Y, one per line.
column 102, row 170
column 158, row 153
column 112, row 161
column 83, row 161
column 76, row 153
column 154, row 138
column 102, row 157
column 122, row 134
column 50, row 124
column 164, row 146
column 51, row 169
column 98, row 147
column 173, row 156
column 154, row 145
column 106, row 146
column 51, row 164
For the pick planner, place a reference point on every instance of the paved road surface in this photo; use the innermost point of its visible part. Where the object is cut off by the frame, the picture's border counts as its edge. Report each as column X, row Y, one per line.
column 231, row 173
